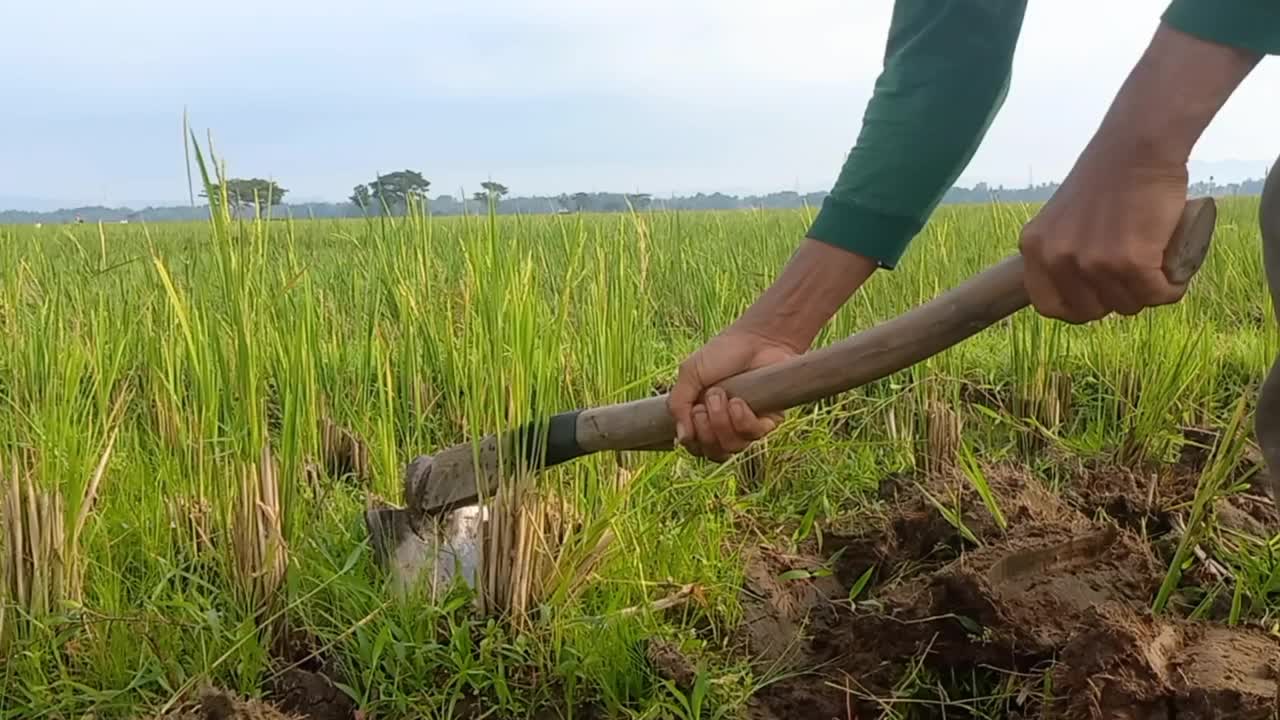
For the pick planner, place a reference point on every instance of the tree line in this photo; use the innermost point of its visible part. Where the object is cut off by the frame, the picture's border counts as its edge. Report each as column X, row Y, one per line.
column 397, row 192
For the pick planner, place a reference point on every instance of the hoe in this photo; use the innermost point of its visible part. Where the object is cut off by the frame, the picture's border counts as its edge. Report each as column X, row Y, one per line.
column 433, row 534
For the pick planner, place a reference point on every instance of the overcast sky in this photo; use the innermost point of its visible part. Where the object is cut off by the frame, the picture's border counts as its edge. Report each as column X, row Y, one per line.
column 546, row 96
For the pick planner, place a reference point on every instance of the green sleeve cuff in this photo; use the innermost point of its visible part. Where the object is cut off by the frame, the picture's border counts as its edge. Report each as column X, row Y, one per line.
column 876, row 235
column 1248, row 24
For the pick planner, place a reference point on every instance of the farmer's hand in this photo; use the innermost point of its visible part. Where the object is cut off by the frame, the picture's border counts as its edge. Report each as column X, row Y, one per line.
column 781, row 324
column 1098, row 245
column 716, row 426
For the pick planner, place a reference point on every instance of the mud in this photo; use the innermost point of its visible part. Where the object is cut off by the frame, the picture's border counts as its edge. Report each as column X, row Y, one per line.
column 670, row 663
column 295, row 695
column 311, row 695
column 303, row 688
column 1059, row 600
column 214, row 704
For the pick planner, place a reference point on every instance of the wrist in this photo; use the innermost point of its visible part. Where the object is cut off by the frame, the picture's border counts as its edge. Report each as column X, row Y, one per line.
column 1169, row 98
column 815, row 283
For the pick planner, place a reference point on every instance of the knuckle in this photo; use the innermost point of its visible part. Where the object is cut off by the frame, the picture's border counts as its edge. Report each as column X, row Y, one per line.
column 1050, row 308
column 1031, row 240
column 1083, row 317
column 1045, row 301
column 690, row 368
column 1169, row 295
column 1059, row 257
column 686, row 380
column 1104, row 263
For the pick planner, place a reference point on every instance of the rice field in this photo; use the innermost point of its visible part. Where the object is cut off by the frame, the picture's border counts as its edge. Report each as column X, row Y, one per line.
column 195, row 417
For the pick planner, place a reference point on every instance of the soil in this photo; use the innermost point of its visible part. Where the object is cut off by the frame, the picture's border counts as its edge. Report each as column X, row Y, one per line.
column 311, row 695
column 214, row 704
column 303, row 689
column 670, row 663
column 295, row 695
column 1063, row 594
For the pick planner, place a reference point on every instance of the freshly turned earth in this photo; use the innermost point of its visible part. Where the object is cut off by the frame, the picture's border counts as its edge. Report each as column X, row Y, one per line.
column 1062, row 592
column 296, row 695
column 1066, row 590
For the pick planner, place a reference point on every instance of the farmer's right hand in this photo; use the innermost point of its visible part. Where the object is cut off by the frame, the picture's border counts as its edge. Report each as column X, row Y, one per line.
column 714, row 426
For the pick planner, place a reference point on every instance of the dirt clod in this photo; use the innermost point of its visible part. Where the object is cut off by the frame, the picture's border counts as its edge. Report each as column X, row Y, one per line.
column 1064, row 589
column 670, row 663
column 776, row 610
column 311, row 695
column 216, row 704
column 295, row 694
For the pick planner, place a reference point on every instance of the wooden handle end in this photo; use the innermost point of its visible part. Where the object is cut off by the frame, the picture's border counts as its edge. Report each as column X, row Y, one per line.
column 1190, row 243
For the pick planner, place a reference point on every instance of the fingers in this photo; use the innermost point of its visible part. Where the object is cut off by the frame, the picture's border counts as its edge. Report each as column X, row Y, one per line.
column 1059, row 293
column 747, row 424
column 705, row 444
column 1081, row 290
column 1098, row 245
column 1078, row 284
column 1153, row 286
column 681, row 399
column 726, row 435
column 724, row 427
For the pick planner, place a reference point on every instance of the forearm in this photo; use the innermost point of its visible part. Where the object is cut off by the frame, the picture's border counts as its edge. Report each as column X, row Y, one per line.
column 1170, row 97
column 817, row 280
column 946, row 72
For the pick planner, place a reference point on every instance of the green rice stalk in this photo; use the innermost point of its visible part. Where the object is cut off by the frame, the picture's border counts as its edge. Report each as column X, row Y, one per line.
column 1213, row 480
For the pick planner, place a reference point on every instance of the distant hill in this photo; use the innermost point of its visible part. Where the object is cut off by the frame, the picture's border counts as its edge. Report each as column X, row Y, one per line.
column 587, row 202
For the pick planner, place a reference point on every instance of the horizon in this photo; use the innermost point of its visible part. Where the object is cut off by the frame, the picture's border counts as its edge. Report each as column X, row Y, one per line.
column 770, row 101
column 1206, row 177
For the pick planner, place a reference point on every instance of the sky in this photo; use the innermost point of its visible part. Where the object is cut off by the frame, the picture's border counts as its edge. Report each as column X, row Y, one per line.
column 545, row 96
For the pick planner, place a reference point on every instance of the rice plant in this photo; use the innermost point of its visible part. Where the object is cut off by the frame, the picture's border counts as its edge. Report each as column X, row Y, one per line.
column 194, row 415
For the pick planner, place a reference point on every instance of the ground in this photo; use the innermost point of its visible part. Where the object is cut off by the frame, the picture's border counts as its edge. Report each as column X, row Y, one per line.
column 178, row 402
column 1056, row 610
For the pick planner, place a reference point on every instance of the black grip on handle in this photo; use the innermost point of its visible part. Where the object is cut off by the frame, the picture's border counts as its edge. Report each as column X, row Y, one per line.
column 560, row 433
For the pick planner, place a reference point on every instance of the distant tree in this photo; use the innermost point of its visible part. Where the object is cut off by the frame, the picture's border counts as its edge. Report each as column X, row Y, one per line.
column 494, row 190
column 639, row 201
column 360, row 196
column 250, row 193
column 392, row 190
column 581, row 201
column 480, row 197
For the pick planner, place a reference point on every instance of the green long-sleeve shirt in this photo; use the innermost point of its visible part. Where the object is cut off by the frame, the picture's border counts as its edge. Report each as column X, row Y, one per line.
column 946, row 70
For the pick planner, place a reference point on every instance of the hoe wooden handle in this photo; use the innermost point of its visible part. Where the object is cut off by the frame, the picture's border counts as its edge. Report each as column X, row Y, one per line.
column 465, row 473
column 876, row 352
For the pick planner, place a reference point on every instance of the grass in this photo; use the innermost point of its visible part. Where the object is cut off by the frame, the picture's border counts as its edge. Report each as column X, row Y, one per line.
column 168, row 391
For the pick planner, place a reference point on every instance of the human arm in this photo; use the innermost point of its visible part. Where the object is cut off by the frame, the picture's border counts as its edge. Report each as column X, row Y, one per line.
column 781, row 324
column 1097, row 246
column 945, row 74
column 1091, row 250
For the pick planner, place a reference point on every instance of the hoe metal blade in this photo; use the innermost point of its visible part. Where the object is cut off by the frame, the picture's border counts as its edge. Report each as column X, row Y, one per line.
column 425, row 554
